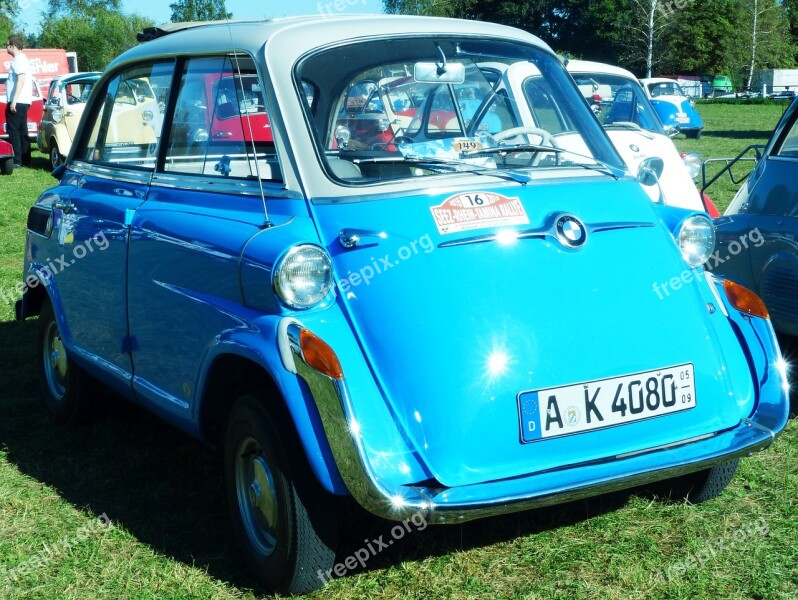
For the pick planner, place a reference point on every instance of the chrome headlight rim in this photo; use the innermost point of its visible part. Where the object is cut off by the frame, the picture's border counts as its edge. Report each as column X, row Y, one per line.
column 289, row 295
column 695, row 237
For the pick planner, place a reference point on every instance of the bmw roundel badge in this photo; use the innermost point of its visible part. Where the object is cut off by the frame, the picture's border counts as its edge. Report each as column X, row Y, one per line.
column 570, row 231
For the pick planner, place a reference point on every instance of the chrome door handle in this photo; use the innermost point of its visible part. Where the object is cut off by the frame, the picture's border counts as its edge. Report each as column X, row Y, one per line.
column 349, row 238
column 64, row 206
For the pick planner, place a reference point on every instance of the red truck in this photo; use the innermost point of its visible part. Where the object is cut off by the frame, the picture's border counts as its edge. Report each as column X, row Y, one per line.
column 46, row 63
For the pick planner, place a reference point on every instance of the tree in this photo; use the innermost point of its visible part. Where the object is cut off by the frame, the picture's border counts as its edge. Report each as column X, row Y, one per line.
column 68, row 8
column 768, row 36
column 199, row 10
column 98, row 37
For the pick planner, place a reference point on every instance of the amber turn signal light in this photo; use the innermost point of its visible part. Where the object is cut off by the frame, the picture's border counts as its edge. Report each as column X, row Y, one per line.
column 745, row 300
column 319, row 355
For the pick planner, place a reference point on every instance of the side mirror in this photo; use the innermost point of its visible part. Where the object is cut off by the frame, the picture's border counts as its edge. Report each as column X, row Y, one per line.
column 650, row 171
column 54, row 101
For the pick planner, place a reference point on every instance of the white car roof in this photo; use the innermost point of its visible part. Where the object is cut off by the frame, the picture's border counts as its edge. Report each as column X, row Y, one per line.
column 588, row 66
column 658, row 80
column 302, row 34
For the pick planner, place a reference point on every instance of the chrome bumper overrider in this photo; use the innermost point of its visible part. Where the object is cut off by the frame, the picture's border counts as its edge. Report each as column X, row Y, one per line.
column 457, row 505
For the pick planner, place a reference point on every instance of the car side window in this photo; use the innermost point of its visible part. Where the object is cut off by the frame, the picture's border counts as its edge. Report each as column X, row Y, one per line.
column 544, row 108
column 127, row 126
column 789, row 147
column 221, row 124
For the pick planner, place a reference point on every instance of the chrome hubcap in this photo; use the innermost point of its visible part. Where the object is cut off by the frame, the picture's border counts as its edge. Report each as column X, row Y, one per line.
column 257, row 496
column 55, row 362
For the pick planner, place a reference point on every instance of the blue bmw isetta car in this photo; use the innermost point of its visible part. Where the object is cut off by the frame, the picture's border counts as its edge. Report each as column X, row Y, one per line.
column 478, row 315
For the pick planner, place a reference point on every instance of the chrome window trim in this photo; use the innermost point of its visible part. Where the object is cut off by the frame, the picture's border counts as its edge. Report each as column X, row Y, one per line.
column 123, row 174
column 222, row 185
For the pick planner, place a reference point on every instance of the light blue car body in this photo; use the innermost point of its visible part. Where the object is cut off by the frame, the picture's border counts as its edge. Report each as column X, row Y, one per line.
column 440, row 350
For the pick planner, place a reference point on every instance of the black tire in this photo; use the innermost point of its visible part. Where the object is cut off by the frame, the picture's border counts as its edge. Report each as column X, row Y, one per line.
column 68, row 392
column 55, row 156
column 694, row 135
column 703, row 485
column 8, row 165
column 287, row 533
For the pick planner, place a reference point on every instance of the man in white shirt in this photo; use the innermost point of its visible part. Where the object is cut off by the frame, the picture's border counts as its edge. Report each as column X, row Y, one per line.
column 19, row 97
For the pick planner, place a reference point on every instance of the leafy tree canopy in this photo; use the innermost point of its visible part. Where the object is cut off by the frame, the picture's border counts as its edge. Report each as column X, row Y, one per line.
column 199, row 10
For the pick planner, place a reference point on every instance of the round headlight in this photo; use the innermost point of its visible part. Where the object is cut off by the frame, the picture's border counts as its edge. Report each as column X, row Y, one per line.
column 58, row 114
column 303, row 277
column 692, row 162
column 696, row 239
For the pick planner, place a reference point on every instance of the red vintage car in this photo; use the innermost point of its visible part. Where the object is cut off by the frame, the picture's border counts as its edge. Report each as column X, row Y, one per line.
column 34, row 112
column 214, row 108
column 6, row 158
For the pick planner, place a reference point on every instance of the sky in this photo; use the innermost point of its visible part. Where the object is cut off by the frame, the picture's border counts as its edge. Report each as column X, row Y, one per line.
column 159, row 10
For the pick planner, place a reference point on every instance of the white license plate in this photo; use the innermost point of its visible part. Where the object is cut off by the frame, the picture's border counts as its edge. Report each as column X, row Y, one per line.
column 591, row 405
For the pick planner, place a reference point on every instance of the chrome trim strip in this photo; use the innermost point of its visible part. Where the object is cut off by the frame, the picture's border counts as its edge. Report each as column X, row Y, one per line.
column 549, row 230
column 126, row 175
column 454, row 505
column 220, row 185
column 713, row 283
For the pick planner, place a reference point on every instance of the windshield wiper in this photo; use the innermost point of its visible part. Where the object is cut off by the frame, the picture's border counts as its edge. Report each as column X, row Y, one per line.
column 454, row 166
column 630, row 126
column 503, row 150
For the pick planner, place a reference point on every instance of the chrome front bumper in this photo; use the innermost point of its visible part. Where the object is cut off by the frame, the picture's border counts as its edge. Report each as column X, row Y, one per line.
column 564, row 484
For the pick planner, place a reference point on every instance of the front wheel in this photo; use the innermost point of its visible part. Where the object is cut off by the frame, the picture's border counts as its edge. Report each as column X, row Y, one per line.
column 55, row 156
column 8, row 165
column 284, row 523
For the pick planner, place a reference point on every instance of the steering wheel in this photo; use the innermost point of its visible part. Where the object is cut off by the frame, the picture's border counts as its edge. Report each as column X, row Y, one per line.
column 546, row 139
column 72, row 99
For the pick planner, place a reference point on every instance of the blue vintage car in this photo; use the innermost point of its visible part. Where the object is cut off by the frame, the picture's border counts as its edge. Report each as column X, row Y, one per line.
column 756, row 238
column 455, row 323
column 675, row 108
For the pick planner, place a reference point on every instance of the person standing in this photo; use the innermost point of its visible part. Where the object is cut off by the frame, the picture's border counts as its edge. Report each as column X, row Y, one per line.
column 20, row 96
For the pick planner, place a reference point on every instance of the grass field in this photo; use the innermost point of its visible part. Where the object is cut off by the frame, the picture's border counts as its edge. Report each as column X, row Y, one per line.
column 169, row 533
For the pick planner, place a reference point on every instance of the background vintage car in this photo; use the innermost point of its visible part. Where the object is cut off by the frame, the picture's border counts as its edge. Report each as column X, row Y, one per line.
column 631, row 122
column 66, row 100
column 364, row 322
column 674, row 107
column 34, row 112
column 767, row 207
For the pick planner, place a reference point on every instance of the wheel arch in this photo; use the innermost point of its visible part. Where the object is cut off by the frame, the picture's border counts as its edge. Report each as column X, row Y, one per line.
column 231, row 375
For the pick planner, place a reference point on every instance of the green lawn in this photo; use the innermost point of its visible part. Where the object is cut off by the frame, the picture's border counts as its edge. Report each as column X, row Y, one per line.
column 169, row 534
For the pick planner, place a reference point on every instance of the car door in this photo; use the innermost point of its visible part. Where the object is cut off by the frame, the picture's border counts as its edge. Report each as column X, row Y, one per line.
column 774, row 249
column 205, row 202
column 110, row 173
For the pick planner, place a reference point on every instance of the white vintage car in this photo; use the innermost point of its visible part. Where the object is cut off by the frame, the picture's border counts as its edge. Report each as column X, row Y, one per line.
column 630, row 120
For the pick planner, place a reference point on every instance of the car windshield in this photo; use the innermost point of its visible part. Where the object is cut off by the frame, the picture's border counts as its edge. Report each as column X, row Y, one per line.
column 618, row 100
column 407, row 108
column 665, row 88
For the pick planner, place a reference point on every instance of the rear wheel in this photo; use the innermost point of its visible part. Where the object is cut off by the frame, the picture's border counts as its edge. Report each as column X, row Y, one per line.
column 703, row 485
column 68, row 393
column 694, row 135
column 284, row 522
column 55, row 156
column 8, row 165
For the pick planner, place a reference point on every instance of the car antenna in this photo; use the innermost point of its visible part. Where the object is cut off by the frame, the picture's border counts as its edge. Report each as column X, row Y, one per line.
column 266, row 222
